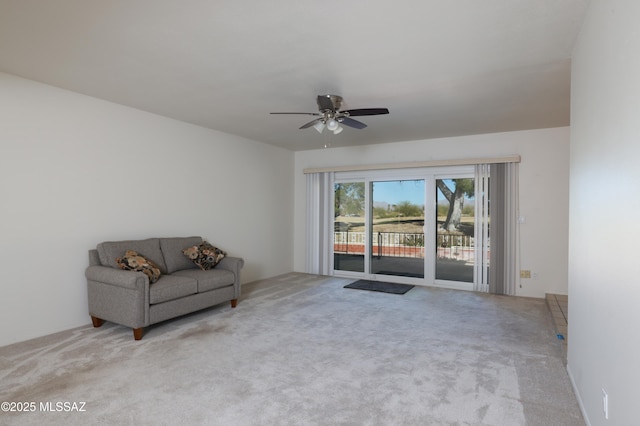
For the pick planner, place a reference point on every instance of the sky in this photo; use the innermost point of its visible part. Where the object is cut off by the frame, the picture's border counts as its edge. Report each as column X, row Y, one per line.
column 393, row 192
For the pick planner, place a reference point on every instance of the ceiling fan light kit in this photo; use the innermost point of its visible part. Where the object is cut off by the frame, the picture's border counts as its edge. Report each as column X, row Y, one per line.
column 331, row 117
column 332, row 124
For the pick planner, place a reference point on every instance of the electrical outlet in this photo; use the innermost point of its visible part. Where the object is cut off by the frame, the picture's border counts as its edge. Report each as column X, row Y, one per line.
column 525, row 274
column 605, row 404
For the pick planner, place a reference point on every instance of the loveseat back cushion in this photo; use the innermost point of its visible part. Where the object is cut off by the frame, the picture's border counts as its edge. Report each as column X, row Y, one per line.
column 170, row 287
column 109, row 251
column 209, row 280
column 172, row 252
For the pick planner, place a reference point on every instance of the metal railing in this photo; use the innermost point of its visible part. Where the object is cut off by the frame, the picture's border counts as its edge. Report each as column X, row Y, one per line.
column 453, row 245
column 398, row 244
column 401, row 244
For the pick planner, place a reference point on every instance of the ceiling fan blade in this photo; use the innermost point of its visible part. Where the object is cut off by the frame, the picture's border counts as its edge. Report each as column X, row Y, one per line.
column 366, row 111
column 325, row 102
column 311, row 123
column 352, row 123
column 303, row 113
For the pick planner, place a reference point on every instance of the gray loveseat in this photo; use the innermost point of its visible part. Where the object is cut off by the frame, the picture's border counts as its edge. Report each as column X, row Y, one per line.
column 127, row 297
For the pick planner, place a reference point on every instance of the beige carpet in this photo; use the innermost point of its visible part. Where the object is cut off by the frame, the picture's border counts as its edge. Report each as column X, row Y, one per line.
column 301, row 350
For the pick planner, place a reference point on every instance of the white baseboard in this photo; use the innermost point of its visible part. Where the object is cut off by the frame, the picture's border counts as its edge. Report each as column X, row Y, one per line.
column 577, row 393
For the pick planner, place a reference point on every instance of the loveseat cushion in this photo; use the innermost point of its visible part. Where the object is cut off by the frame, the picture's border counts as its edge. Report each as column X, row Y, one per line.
column 171, row 287
column 109, row 251
column 172, row 252
column 208, row 280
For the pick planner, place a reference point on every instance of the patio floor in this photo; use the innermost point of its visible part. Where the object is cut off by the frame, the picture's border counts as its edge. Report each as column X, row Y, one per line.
column 452, row 270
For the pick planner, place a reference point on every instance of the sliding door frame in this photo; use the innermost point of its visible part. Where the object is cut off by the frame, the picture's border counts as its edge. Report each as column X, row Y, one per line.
column 429, row 175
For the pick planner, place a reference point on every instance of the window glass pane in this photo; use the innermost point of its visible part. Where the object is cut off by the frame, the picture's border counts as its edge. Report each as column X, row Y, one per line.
column 397, row 238
column 348, row 225
column 455, row 226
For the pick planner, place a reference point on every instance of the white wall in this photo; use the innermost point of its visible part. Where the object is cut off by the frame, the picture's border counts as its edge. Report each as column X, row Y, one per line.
column 604, row 289
column 544, row 191
column 75, row 170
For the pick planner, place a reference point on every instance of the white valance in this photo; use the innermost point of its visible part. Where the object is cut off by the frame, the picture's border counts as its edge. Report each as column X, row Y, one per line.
column 415, row 164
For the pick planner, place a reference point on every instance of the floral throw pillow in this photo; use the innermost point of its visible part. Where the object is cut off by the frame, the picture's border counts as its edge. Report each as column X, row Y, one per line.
column 204, row 255
column 132, row 261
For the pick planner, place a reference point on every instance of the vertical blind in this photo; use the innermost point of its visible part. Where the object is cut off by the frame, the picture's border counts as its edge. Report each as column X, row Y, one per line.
column 503, row 211
column 319, row 235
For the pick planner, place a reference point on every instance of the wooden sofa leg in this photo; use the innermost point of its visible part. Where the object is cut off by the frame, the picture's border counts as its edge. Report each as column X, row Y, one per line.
column 234, row 303
column 97, row 322
column 137, row 333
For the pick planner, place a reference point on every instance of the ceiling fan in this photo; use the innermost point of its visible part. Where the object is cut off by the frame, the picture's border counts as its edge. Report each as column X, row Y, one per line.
column 331, row 117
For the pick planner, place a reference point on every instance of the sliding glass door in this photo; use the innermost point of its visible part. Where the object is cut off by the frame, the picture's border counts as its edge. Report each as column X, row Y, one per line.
column 416, row 227
column 349, row 235
column 397, row 228
column 455, row 254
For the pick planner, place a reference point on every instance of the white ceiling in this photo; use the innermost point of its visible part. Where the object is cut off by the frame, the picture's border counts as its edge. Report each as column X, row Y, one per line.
column 442, row 67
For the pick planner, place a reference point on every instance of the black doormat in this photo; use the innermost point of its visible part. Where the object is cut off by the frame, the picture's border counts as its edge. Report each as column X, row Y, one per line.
column 380, row 286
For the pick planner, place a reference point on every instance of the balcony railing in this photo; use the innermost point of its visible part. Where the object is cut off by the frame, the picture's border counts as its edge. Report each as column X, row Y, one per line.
column 456, row 246
column 453, row 245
